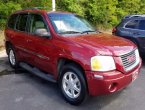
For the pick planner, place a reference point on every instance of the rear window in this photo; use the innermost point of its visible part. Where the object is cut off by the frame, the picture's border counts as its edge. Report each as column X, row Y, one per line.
column 142, row 25
column 132, row 24
column 12, row 21
column 22, row 22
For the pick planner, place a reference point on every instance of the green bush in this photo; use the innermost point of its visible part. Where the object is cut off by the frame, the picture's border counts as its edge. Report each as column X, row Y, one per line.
column 5, row 10
column 102, row 13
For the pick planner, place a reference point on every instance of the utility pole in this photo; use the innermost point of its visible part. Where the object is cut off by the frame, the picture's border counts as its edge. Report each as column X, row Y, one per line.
column 53, row 5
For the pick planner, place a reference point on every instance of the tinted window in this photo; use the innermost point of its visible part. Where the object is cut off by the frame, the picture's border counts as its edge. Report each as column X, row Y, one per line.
column 132, row 24
column 22, row 22
column 142, row 24
column 37, row 22
column 12, row 21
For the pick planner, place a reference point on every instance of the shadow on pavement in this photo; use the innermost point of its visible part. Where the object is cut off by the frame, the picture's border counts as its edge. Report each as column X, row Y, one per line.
column 51, row 90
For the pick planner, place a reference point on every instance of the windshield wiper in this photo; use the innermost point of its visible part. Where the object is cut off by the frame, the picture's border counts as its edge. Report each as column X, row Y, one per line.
column 69, row 32
column 87, row 31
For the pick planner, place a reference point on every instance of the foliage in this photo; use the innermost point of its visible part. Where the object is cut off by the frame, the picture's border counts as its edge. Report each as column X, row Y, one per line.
column 103, row 13
column 75, row 6
column 9, row 6
column 5, row 10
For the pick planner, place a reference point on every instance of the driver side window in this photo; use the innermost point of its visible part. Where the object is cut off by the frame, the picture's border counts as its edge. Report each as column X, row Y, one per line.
column 37, row 22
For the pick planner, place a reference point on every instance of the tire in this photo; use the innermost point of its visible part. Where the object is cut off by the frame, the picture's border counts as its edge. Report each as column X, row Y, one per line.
column 12, row 57
column 73, row 85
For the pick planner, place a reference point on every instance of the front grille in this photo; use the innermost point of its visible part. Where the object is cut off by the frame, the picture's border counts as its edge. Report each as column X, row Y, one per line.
column 129, row 60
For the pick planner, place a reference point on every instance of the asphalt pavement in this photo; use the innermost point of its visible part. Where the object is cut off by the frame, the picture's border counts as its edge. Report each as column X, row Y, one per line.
column 20, row 90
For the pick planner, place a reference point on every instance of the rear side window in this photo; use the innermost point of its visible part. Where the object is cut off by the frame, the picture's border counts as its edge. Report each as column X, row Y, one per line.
column 142, row 25
column 12, row 21
column 22, row 22
column 132, row 24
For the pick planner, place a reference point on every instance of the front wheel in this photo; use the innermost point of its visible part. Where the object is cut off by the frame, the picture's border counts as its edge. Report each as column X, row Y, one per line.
column 73, row 85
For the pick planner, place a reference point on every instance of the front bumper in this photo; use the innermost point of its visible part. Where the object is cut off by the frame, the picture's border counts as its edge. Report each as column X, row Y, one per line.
column 100, row 83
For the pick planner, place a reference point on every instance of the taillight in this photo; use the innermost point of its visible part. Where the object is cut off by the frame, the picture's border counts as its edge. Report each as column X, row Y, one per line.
column 114, row 30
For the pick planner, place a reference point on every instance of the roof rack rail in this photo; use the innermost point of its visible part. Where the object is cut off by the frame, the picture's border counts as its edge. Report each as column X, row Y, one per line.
column 40, row 8
column 134, row 16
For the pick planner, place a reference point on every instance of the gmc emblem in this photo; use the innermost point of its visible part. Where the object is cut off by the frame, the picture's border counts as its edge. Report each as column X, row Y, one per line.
column 130, row 58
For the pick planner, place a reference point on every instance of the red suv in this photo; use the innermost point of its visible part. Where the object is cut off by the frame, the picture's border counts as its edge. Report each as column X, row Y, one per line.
column 63, row 47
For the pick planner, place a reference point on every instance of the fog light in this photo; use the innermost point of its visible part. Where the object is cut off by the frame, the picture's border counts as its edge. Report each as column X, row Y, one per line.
column 113, row 87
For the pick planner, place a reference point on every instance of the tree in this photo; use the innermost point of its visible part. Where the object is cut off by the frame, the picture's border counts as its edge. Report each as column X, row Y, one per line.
column 104, row 13
column 5, row 10
column 74, row 6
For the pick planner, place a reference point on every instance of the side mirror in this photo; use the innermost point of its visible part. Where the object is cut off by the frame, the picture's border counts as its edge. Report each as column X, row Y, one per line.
column 42, row 32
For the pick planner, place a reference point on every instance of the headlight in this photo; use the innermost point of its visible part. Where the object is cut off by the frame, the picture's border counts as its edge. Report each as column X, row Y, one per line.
column 137, row 56
column 102, row 63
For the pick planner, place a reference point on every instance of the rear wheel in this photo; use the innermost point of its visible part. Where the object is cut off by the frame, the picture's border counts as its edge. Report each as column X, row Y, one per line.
column 12, row 57
column 72, row 84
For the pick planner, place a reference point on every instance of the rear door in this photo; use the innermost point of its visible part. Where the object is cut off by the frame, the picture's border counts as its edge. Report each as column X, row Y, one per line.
column 140, row 35
column 21, row 35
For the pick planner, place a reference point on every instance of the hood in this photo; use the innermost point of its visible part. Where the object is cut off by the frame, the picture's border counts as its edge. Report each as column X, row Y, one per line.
column 104, row 44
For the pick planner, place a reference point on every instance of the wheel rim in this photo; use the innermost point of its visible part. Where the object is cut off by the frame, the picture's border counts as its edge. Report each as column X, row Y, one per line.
column 71, row 85
column 12, row 57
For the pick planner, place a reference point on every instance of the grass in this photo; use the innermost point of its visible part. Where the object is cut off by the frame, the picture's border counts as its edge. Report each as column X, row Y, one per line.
column 1, row 40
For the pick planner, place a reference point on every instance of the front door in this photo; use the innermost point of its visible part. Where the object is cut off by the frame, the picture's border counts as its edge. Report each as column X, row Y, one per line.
column 41, row 47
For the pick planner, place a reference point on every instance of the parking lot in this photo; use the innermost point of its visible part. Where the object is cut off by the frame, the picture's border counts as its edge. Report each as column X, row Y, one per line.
column 20, row 90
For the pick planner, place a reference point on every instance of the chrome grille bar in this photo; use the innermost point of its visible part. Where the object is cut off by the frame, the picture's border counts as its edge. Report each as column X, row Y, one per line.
column 128, row 63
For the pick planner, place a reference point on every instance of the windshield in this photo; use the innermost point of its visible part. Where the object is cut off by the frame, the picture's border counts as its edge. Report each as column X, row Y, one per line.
column 70, row 24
